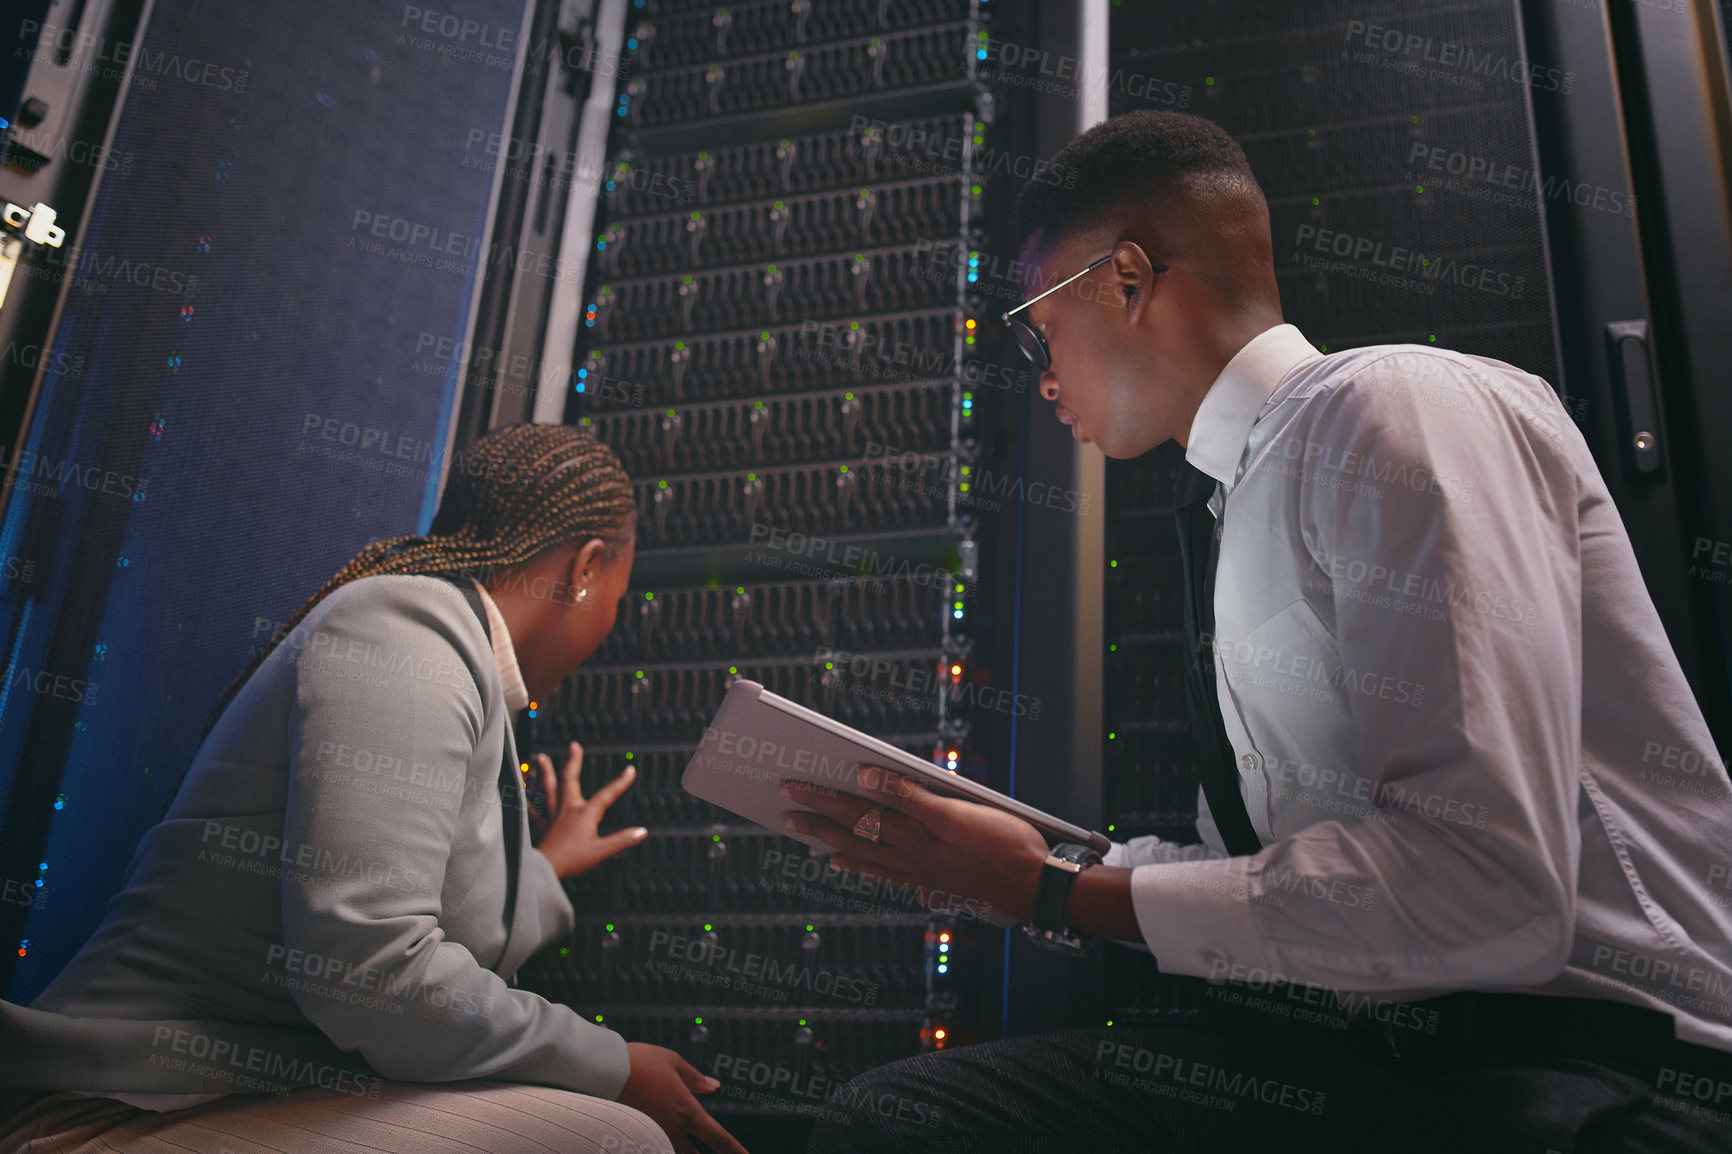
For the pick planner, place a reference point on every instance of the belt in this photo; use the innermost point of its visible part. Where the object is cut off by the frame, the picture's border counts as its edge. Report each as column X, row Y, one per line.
column 1472, row 1025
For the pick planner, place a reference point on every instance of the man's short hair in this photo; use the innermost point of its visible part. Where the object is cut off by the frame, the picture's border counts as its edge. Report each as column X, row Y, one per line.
column 1135, row 163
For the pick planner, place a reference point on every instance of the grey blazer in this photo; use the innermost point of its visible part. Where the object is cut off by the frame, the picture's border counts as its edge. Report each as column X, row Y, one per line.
column 325, row 901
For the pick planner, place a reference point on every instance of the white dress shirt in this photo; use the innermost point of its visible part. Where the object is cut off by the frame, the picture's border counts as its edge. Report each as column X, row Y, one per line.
column 516, row 697
column 1460, row 730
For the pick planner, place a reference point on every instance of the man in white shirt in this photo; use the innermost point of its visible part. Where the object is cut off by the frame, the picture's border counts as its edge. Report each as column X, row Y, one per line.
column 1466, row 839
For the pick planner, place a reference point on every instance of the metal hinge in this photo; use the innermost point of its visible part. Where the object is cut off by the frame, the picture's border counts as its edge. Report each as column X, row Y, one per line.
column 21, row 224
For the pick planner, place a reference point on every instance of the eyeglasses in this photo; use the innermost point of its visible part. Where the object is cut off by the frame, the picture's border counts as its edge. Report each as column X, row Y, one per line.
column 1030, row 339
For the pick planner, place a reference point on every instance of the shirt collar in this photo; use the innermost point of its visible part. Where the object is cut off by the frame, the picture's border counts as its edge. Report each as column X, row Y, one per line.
column 504, row 654
column 1230, row 407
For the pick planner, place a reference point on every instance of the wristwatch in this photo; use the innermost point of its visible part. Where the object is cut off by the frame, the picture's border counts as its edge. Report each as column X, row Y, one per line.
column 1049, row 924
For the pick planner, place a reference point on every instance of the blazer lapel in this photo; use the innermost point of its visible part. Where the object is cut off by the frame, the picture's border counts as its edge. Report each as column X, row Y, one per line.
column 513, row 805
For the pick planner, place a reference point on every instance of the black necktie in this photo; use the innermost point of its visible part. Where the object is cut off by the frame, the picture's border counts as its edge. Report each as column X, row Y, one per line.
column 1216, row 769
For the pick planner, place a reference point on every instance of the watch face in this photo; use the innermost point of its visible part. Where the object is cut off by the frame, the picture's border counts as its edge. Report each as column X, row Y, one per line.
column 1072, row 852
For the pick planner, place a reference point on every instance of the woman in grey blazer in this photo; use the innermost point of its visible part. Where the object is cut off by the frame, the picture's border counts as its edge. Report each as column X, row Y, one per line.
column 334, row 906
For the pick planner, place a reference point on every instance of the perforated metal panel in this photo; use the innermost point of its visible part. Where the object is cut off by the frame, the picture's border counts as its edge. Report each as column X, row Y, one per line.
column 248, row 388
column 1393, row 146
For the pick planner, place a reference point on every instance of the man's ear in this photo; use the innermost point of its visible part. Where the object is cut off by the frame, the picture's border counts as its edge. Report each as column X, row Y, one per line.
column 1134, row 277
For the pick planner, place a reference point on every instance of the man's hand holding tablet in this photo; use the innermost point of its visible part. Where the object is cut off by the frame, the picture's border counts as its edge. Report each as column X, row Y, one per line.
column 937, row 843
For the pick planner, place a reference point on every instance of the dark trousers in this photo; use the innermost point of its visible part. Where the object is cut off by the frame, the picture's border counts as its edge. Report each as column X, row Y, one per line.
column 1249, row 1083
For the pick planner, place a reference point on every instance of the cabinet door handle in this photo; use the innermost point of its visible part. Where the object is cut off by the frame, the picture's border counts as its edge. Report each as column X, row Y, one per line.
column 1633, row 391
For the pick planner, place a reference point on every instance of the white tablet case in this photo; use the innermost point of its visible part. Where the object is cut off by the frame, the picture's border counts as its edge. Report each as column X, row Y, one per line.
column 757, row 740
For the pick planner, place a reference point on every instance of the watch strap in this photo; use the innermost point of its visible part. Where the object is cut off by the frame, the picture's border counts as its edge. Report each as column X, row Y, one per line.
column 1057, row 879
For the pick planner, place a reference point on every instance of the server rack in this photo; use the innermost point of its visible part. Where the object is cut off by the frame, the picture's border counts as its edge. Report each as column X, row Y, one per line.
column 1514, row 163
column 779, row 342
column 1334, row 140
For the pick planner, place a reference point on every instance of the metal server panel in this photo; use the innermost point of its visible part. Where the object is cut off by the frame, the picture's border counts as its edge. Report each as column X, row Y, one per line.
column 776, row 342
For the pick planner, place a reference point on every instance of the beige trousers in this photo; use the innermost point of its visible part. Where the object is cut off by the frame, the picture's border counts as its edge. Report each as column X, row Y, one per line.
column 406, row 1118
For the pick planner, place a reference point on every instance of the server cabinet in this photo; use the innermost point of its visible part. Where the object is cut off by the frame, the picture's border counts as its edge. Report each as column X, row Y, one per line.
column 778, row 340
column 1493, row 178
column 240, row 384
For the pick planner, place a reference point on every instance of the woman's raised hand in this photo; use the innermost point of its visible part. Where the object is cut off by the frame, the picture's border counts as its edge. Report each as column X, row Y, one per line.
column 567, row 837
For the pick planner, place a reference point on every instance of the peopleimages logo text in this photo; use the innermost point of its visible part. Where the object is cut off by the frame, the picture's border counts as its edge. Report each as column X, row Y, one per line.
column 1413, row 49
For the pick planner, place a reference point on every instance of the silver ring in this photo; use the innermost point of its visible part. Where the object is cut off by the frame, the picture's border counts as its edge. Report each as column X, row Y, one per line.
column 870, row 824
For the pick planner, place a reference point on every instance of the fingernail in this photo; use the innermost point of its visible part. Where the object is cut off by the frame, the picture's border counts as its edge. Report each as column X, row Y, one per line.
column 710, row 1083
column 630, row 771
column 640, row 833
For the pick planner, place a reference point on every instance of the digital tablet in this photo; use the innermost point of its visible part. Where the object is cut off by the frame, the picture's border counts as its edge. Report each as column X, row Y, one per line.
column 758, row 740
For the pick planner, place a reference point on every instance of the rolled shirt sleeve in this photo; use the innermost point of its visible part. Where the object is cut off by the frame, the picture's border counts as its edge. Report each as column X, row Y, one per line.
column 424, row 1009
column 1475, row 887
column 1150, row 849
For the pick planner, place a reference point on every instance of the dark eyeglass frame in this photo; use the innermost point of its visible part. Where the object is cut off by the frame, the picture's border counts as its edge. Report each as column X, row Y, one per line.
column 1030, row 339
